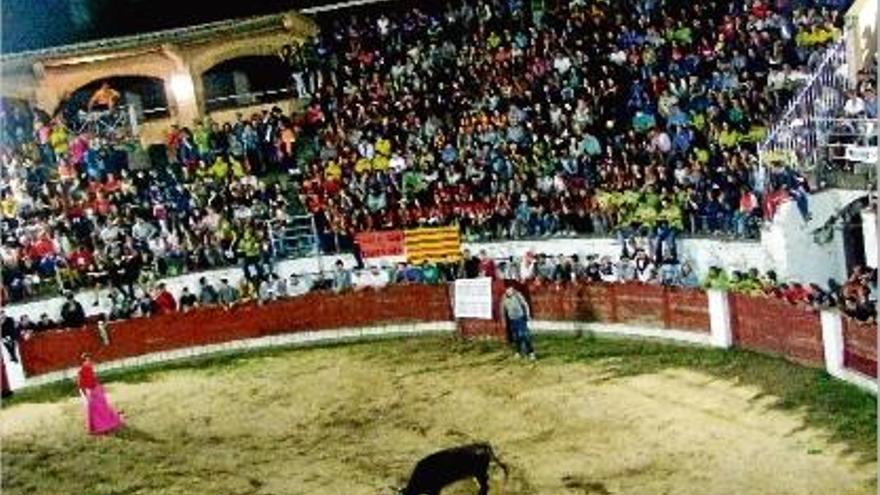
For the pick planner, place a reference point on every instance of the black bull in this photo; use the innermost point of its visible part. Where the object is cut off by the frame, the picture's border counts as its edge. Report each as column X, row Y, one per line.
column 445, row 467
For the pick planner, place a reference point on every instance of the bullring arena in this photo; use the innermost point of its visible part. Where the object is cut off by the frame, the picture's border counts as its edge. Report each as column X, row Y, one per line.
column 595, row 247
column 597, row 414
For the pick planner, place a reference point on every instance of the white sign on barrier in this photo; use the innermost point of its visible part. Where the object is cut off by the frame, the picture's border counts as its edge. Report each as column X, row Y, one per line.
column 863, row 154
column 473, row 298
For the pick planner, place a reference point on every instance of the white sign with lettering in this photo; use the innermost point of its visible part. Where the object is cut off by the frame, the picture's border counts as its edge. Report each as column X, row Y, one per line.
column 473, row 298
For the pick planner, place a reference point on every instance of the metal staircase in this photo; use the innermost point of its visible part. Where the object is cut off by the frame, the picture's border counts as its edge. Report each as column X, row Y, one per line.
column 812, row 135
column 296, row 237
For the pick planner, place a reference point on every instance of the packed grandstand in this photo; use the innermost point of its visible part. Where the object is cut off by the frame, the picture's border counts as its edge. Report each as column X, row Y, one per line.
column 594, row 246
column 509, row 119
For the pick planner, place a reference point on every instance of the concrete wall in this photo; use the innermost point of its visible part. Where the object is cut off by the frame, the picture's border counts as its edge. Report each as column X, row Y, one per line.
column 95, row 302
column 58, row 79
column 701, row 253
column 789, row 243
column 861, row 28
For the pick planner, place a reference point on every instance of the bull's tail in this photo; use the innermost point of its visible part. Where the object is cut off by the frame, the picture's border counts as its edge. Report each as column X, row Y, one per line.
column 495, row 458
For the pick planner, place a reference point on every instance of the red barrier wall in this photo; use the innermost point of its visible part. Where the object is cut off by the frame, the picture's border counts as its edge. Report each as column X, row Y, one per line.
column 637, row 304
column 774, row 326
column 761, row 324
column 860, row 346
column 61, row 349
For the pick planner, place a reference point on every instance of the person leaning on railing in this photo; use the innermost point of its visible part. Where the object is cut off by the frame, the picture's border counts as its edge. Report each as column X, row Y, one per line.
column 105, row 98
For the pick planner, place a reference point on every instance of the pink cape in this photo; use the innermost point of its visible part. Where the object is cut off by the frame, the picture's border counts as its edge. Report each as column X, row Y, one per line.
column 101, row 418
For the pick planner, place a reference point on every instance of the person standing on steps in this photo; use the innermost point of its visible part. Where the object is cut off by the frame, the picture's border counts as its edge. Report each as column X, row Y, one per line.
column 515, row 309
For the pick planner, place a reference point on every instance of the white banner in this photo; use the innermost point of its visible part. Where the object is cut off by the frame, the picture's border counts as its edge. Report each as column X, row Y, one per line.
column 863, row 154
column 473, row 298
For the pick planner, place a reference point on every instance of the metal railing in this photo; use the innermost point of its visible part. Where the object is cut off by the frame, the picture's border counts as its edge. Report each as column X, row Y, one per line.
column 794, row 140
column 846, row 149
column 248, row 99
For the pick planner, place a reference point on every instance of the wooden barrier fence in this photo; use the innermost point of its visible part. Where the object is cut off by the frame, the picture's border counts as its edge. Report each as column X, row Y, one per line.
column 761, row 324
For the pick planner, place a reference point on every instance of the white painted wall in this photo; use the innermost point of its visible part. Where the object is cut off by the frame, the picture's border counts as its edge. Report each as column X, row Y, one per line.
column 14, row 370
column 869, row 229
column 95, row 302
column 791, row 249
column 701, row 253
column 861, row 26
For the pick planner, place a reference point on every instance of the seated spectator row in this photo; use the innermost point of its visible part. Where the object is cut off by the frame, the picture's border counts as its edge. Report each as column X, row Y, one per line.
column 856, row 297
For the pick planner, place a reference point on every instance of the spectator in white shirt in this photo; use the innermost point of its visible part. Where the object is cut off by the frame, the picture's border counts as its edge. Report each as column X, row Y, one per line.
column 374, row 278
column 562, row 63
column 854, row 106
column 607, row 270
column 661, row 142
column 298, row 285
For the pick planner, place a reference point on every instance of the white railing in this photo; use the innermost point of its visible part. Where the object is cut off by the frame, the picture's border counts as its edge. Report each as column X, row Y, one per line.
column 796, row 138
column 249, row 98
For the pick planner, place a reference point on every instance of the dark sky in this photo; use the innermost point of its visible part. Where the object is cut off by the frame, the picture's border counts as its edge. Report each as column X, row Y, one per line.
column 32, row 24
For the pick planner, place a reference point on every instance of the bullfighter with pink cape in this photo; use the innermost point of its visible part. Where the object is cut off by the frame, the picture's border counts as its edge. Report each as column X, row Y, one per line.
column 100, row 417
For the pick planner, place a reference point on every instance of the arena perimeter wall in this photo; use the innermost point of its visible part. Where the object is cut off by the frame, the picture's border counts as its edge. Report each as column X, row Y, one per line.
column 847, row 349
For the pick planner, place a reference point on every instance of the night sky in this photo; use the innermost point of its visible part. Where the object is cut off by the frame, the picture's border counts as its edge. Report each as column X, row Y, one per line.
column 33, row 24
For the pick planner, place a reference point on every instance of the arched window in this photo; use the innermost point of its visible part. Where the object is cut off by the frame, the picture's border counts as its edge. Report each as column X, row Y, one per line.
column 145, row 94
column 245, row 81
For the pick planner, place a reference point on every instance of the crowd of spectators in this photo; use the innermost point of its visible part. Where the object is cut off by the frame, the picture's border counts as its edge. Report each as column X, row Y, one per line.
column 507, row 117
column 79, row 212
column 856, row 297
column 583, row 117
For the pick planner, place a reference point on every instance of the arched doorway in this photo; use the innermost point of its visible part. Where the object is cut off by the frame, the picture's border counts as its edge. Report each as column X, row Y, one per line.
column 854, row 234
column 243, row 81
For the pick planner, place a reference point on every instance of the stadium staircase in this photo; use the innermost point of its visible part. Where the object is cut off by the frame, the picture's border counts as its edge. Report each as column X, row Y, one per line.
column 294, row 236
column 811, row 134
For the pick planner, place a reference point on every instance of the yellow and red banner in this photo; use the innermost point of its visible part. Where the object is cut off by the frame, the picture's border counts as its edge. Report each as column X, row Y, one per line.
column 377, row 244
column 436, row 244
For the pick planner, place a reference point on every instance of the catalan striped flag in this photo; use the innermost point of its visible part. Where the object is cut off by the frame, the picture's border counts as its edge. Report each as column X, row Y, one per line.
column 436, row 244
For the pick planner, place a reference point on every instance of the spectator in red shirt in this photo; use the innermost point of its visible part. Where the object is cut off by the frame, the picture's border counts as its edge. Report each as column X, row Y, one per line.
column 163, row 300
column 795, row 293
column 772, row 200
column 487, row 265
column 80, row 259
column 41, row 248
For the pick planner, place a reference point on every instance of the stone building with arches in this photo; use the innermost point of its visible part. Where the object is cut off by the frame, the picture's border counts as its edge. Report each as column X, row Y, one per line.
column 167, row 76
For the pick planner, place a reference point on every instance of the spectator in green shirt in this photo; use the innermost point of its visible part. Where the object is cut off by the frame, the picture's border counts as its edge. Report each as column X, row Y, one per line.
column 716, row 279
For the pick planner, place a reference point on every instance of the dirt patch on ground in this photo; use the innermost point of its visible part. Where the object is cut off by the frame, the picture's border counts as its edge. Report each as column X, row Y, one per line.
column 352, row 420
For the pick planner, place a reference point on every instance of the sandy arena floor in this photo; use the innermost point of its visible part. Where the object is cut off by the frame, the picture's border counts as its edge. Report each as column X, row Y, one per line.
column 348, row 420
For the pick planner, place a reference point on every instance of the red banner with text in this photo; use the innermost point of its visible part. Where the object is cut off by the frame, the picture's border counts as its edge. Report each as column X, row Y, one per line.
column 376, row 244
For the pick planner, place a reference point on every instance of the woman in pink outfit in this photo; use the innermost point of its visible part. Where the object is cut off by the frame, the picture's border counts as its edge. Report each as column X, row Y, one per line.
column 100, row 417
